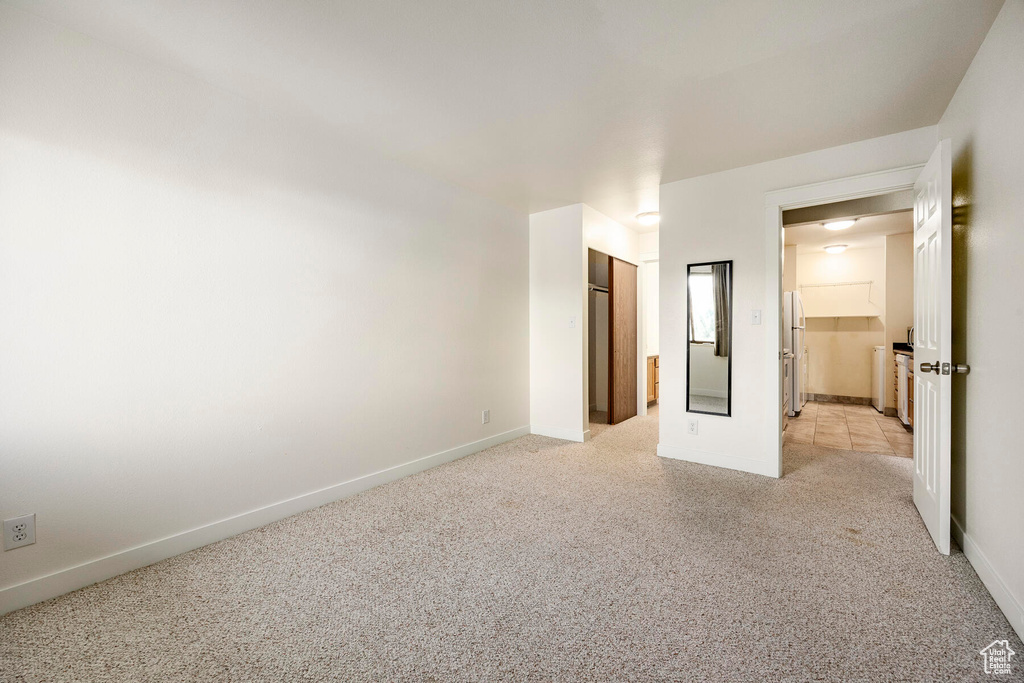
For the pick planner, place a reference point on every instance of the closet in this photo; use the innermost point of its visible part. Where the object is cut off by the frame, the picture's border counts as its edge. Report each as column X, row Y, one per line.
column 612, row 338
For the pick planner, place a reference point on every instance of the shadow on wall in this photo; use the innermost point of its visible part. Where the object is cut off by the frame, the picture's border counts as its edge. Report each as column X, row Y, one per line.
column 963, row 167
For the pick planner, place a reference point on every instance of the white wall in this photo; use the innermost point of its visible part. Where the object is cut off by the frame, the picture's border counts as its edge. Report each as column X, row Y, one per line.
column 840, row 350
column 648, row 244
column 789, row 261
column 984, row 122
column 651, row 271
column 899, row 300
column 559, row 391
column 722, row 216
column 652, row 333
column 603, row 234
column 209, row 308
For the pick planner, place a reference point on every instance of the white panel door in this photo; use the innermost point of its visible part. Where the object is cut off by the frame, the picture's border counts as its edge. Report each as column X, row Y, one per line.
column 933, row 202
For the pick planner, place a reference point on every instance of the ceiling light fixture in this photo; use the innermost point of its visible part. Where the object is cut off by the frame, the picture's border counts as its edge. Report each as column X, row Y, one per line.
column 648, row 217
column 835, row 248
column 840, row 225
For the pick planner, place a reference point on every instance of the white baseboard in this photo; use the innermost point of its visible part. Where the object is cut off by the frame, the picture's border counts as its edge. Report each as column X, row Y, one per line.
column 561, row 433
column 731, row 462
column 1010, row 605
column 73, row 578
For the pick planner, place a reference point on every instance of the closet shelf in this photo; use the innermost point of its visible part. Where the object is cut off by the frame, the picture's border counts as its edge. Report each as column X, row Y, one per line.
column 839, row 300
column 858, row 308
column 850, row 307
column 845, row 315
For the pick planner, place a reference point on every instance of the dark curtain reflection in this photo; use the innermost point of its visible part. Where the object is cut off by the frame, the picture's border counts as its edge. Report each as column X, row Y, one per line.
column 720, row 275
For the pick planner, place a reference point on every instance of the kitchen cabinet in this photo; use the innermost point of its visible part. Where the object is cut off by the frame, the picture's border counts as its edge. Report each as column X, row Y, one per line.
column 787, row 386
column 910, row 393
column 903, row 381
column 896, row 382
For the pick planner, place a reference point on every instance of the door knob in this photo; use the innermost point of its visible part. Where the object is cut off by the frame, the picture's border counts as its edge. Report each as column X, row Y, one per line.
column 946, row 368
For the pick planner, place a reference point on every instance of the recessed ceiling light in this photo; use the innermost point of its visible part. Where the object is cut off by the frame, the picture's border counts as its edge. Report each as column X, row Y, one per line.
column 648, row 217
column 840, row 225
column 835, row 248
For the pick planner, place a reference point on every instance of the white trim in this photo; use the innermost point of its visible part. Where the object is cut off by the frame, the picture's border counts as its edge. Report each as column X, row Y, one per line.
column 773, row 346
column 775, row 202
column 1005, row 600
column 641, row 340
column 649, row 256
column 561, row 433
column 73, row 578
column 842, row 189
column 732, row 462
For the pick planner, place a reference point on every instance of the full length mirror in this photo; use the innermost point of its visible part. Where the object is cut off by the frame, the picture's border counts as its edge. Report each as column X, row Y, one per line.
column 709, row 351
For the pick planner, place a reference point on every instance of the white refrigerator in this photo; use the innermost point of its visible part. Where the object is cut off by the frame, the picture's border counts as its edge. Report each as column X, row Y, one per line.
column 793, row 328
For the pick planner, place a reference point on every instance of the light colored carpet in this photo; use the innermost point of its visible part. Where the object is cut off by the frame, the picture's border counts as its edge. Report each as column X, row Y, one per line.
column 543, row 560
column 708, row 404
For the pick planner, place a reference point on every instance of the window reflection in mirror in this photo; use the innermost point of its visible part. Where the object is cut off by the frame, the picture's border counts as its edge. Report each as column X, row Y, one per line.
column 709, row 352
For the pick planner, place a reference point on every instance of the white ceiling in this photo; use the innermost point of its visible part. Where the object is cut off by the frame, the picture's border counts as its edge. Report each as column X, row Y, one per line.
column 543, row 103
column 869, row 231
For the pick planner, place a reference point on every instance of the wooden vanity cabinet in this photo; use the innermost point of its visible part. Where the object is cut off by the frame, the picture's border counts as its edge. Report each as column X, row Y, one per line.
column 653, row 366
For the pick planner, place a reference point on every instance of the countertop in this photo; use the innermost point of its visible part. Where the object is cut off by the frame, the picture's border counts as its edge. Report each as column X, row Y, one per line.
column 905, row 349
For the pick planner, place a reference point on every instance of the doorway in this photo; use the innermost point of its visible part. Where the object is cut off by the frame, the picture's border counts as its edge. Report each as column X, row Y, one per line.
column 651, row 320
column 933, row 367
column 776, row 202
column 848, row 304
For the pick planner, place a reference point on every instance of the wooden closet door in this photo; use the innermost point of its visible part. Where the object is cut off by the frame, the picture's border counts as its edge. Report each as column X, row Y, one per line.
column 622, row 341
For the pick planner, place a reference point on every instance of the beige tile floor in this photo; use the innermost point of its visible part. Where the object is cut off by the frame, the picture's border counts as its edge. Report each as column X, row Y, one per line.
column 858, row 428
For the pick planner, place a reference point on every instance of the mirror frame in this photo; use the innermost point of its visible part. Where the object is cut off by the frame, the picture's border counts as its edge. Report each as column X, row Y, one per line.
column 689, row 343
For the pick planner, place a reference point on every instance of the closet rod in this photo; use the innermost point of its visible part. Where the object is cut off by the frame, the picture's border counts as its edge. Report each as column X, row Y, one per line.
column 597, row 288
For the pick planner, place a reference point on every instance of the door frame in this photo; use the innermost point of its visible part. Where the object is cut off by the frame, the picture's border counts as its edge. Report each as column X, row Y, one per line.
column 775, row 202
column 646, row 259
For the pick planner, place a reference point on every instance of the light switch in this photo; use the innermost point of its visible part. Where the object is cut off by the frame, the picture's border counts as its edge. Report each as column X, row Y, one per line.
column 572, row 323
column 755, row 317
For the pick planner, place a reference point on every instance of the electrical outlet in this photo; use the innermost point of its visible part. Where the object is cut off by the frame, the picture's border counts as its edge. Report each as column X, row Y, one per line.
column 691, row 426
column 485, row 417
column 19, row 531
column 755, row 317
